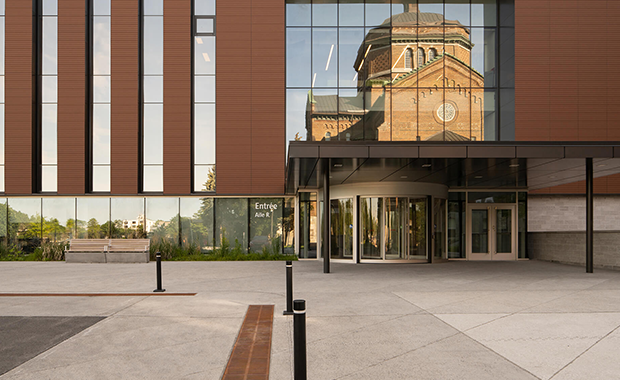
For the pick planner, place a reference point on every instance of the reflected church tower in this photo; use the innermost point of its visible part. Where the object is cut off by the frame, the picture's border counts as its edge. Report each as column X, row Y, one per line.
column 414, row 83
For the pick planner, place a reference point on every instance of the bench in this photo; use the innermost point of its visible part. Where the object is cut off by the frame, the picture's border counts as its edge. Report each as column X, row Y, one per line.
column 108, row 251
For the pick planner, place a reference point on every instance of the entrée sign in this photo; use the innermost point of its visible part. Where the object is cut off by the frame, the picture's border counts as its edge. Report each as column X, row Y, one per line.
column 268, row 207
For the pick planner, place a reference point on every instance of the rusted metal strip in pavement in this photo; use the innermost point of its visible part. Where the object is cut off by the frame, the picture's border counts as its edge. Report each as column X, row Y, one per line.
column 249, row 359
column 96, row 294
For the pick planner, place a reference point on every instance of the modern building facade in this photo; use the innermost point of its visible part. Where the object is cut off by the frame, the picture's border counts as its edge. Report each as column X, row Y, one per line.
column 355, row 130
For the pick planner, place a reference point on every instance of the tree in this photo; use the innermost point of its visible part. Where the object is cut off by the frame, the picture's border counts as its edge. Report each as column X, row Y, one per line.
column 93, row 229
column 210, row 184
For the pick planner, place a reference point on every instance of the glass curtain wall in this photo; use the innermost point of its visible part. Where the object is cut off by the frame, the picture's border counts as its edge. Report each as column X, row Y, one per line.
column 400, row 70
column 49, row 96
column 457, row 219
column 308, row 233
column 266, row 225
column 2, row 97
column 393, row 228
column 342, row 228
column 161, row 222
column 204, row 95
column 371, row 217
column 101, row 151
column 417, row 229
column 197, row 223
column 153, row 96
column 439, row 227
column 257, row 224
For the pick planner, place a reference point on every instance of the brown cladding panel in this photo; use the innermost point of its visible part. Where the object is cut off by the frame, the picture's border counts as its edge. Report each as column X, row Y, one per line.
column 71, row 97
column 579, row 101
column 234, row 97
column 18, row 97
column 268, row 97
column 124, row 95
column 177, row 97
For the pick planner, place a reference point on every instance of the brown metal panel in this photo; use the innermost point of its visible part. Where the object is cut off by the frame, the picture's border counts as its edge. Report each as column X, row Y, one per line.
column 589, row 151
column 491, row 152
column 443, row 152
column 299, row 151
column 71, row 97
column 234, row 97
column 540, row 152
column 18, row 97
column 394, row 152
column 177, row 97
column 268, row 97
column 124, row 96
column 343, row 151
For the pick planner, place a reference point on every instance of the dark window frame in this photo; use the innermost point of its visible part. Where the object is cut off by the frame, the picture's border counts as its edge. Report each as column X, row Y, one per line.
column 195, row 26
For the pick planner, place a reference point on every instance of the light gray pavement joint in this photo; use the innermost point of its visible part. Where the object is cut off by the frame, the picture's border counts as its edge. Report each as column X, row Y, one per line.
column 456, row 320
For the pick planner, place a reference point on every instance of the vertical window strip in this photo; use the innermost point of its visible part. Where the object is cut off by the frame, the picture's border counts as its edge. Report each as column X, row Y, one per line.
column 204, row 41
column 153, row 96
column 101, row 60
column 49, row 97
column 2, row 29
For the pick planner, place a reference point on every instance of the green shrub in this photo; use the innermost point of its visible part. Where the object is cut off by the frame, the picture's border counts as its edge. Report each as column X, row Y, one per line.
column 10, row 252
column 50, row 251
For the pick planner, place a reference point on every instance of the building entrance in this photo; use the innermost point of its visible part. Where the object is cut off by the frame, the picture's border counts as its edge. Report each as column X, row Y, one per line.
column 393, row 228
column 492, row 232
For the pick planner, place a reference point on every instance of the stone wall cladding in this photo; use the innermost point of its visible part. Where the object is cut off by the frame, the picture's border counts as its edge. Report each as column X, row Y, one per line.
column 570, row 247
column 567, row 213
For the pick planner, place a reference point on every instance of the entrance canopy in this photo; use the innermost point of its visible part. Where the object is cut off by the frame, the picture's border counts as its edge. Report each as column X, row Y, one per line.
column 467, row 165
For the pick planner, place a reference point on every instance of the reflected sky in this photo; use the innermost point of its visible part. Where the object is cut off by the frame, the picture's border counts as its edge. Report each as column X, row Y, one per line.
column 49, row 134
column 204, row 152
column 2, row 45
column 2, row 134
column 93, row 207
column 153, row 127
column 50, row 46
column 204, row 7
column 50, row 93
column 153, row 133
column 101, row 134
column 154, row 7
column 153, row 178
column 101, row 178
column 127, row 208
column 153, row 45
column 204, row 62
column 29, row 206
column 162, row 208
column 101, row 45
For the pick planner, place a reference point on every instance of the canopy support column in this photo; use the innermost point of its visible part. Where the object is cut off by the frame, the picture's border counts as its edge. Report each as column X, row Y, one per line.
column 589, row 216
column 326, row 218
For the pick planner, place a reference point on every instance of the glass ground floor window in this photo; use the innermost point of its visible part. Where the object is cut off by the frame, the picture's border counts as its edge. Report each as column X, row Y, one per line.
column 250, row 224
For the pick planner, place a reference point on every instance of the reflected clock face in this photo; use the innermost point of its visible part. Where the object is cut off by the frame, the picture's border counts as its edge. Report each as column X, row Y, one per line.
column 446, row 112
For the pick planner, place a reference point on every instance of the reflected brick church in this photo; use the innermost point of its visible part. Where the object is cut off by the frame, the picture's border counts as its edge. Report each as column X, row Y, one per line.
column 414, row 82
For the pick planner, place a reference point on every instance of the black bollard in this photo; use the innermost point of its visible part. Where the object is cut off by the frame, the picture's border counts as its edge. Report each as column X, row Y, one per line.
column 159, row 288
column 289, row 288
column 299, row 339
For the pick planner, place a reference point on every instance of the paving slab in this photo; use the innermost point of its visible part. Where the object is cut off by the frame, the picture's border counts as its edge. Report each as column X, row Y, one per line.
column 23, row 338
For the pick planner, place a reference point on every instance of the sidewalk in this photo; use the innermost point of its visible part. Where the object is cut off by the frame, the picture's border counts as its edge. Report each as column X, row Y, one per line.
column 458, row 320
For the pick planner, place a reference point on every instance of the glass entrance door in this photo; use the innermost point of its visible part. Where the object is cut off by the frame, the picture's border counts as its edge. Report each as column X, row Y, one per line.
column 492, row 232
column 417, row 229
column 393, row 228
column 396, row 219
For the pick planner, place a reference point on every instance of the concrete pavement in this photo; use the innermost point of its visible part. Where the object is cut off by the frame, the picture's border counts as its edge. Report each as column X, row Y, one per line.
column 457, row 320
